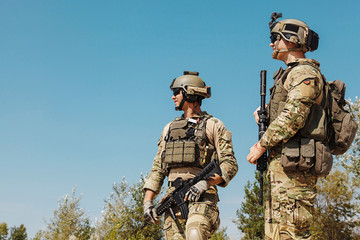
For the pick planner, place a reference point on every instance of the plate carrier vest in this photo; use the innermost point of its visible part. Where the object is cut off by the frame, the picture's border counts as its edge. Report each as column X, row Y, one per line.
column 187, row 144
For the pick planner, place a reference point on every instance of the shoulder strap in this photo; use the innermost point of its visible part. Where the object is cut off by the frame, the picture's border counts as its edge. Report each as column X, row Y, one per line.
column 202, row 126
column 278, row 73
column 166, row 138
column 284, row 75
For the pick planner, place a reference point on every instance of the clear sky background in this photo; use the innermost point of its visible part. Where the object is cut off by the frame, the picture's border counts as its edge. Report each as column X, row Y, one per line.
column 84, row 88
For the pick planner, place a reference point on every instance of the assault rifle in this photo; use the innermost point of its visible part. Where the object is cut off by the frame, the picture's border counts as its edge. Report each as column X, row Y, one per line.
column 176, row 197
column 262, row 161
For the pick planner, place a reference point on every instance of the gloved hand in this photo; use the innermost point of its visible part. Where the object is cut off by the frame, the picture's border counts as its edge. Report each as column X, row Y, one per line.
column 150, row 212
column 256, row 151
column 195, row 191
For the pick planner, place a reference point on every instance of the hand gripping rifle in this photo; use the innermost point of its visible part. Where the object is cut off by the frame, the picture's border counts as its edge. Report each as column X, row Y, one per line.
column 262, row 161
column 176, row 197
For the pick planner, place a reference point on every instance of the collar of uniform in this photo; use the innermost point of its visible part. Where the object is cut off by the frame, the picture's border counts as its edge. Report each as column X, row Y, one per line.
column 308, row 61
column 199, row 115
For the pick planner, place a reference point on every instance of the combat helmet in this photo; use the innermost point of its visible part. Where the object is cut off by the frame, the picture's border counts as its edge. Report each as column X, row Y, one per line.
column 192, row 86
column 294, row 31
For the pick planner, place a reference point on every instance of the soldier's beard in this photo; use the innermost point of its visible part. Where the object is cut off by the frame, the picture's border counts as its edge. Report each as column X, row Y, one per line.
column 275, row 54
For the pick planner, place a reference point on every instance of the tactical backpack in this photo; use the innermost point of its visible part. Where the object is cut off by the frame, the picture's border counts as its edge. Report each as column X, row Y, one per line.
column 329, row 130
column 341, row 124
column 342, row 127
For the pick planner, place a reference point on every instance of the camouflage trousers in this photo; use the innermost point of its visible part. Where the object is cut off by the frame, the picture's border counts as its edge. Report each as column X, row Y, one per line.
column 290, row 203
column 203, row 221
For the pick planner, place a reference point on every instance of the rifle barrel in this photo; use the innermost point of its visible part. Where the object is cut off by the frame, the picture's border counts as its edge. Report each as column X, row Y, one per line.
column 262, row 161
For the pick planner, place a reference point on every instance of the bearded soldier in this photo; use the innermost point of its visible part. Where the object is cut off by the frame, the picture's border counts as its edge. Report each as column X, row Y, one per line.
column 296, row 134
column 201, row 137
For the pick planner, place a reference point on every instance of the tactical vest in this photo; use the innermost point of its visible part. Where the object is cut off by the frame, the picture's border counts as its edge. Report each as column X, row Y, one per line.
column 308, row 150
column 316, row 123
column 186, row 144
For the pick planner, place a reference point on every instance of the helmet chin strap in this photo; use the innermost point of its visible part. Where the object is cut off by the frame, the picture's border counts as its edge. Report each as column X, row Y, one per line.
column 179, row 108
column 277, row 50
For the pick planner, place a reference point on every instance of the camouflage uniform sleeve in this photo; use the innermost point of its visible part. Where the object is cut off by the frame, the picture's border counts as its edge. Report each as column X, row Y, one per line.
column 157, row 173
column 304, row 84
column 221, row 138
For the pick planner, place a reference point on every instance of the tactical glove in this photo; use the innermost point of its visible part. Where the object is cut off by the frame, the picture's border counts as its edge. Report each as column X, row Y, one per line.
column 150, row 212
column 194, row 193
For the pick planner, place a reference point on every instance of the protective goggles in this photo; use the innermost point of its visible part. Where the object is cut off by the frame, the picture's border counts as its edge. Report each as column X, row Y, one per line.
column 176, row 91
column 274, row 37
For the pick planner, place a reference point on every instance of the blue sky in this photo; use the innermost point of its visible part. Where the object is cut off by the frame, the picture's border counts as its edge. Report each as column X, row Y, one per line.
column 84, row 88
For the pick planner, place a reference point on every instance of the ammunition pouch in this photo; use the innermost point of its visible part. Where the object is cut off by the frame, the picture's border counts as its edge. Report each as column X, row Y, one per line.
column 306, row 154
column 183, row 152
column 187, row 145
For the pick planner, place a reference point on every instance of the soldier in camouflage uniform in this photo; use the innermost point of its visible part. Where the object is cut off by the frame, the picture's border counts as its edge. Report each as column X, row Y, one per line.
column 212, row 140
column 290, row 202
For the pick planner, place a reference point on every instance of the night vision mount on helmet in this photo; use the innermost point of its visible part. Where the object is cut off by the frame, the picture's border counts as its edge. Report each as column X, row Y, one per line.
column 294, row 31
column 193, row 88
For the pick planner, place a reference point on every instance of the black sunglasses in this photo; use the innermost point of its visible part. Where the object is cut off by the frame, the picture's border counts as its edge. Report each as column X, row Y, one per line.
column 274, row 37
column 176, row 91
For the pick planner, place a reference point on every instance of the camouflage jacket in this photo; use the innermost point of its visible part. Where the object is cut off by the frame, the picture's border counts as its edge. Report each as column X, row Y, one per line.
column 217, row 135
column 303, row 84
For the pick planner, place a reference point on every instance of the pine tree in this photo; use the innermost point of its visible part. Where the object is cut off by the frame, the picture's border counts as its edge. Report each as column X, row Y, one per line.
column 220, row 235
column 4, row 231
column 250, row 216
column 336, row 213
column 69, row 221
column 18, row 233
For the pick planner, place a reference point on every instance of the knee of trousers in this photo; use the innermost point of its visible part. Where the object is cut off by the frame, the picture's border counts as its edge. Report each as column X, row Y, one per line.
column 193, row 233
column 197, row 230
column 199, row 227
column 203, row 220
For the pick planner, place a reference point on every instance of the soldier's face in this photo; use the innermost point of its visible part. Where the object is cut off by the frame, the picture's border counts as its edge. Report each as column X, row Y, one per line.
column 177, row 97
column 278, row 45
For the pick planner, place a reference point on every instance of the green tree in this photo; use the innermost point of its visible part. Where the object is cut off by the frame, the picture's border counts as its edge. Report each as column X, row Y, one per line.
column 336, row 212
column 18, row 233
column 4, row 231
column 69, row 221
column 123, row 214
column 250, row 216
column 220, row 235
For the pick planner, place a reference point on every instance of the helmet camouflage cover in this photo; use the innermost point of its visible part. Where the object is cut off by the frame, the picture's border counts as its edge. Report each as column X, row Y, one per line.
column 294, row 31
